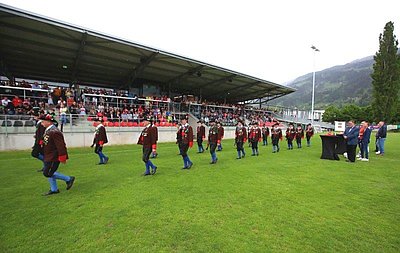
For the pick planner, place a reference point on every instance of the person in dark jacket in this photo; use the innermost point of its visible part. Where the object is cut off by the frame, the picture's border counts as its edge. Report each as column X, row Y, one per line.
column 54, row 152
column 212, row 140
column 381, row 138
column 100, row 138
column 148, row 138
column 299, row 135
column 265, row 134
column 186, row 133
column 276, row 136
column 309, row 134
column 255, row 136
column 240, row 139
column 351, row 137
column 365, row 141
column 290, row 135
column 201, row 135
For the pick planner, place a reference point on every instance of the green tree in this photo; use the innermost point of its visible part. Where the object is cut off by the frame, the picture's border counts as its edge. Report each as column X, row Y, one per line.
column 386, row 76
column 331, row 114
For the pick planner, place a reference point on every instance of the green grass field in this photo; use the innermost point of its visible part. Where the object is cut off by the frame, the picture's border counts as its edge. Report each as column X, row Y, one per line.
column 291, row 201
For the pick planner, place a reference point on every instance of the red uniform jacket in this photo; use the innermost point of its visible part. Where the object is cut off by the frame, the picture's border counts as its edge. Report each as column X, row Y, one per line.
column 240, row 134
column 154, row 146
column 265, row 131
column 148, row 137
column 201, row 132
column 186, row 132
column 220, row 133
column 156, row 131
column 299, row 133
column 54, row 148
column 213, row 134
column 254, row 134
column 309, row 132
column 100, row 136
column 290, row 134
column 276, row 135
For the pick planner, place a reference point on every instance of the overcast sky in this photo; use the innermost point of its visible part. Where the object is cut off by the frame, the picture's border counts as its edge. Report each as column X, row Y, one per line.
column 266, row 39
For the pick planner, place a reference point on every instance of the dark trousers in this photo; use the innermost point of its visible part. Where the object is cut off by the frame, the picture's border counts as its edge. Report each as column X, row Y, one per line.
column 239, row 146
column 364, row 150
column 213, row 146
column 308, row 140
column 98, row 149
column 49, row 168
column 146, row 154
column 265, row 140
column 254, row 145
column 351, row 152
column 290, row 143
column 298, row 141
column 183, row 147
column 200, row 144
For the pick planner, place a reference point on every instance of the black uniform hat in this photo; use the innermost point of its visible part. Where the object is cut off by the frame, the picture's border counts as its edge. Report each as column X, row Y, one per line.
column 47, row 117
column 200, row 121
column 211, row 120
column 148, row 118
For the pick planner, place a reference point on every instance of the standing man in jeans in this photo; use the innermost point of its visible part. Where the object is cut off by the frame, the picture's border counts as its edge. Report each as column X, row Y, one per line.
column 351, row 137
column 381, row 137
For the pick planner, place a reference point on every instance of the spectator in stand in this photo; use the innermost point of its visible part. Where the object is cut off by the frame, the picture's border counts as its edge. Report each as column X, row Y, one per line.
column 82, row 110
column 69, row 93
column 50, row 99
column 124, row 116
column 63, row 116
column 381, row 138
column 17, row 102
column 56, row 94
column 5, row 101
column 36, row 86
column 70, row 101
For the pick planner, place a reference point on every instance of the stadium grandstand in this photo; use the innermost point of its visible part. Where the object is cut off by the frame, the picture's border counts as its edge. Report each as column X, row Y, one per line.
column 49, row 66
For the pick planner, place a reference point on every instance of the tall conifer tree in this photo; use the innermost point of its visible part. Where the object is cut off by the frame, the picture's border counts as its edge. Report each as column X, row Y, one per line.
column 386, row 76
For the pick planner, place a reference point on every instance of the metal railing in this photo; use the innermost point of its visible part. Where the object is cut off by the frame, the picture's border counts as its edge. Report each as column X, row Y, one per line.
column 74, row 123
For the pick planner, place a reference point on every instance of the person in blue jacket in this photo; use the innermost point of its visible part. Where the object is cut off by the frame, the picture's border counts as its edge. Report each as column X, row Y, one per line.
column 351, row 137
column 365, row 141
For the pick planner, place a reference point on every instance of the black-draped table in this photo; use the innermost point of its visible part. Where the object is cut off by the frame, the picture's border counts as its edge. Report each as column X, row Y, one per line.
column 332, row 145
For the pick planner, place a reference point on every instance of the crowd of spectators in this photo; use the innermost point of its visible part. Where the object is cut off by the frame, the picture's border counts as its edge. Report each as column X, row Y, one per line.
column 116, row 105
column 230, row 116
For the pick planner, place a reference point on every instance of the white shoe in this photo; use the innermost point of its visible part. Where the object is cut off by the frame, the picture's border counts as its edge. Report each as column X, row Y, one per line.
column 377, row 152
column 365, row 160
column 360, row 158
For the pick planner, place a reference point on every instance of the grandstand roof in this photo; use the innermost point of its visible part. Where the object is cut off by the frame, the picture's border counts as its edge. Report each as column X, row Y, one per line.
column 38, row 47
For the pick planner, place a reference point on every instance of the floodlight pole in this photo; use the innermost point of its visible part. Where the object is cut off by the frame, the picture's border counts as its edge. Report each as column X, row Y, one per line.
column 313, row 85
